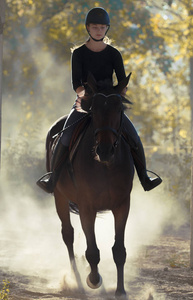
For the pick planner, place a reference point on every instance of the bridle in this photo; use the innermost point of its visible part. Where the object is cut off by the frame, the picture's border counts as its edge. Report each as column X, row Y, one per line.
column 116, row 132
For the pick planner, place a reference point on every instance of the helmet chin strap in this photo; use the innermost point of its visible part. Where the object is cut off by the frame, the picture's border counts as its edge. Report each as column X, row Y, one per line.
column 96, row 39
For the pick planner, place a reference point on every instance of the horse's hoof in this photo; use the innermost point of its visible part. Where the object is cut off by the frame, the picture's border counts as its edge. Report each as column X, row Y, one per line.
column 91, row 285
column 121, row 296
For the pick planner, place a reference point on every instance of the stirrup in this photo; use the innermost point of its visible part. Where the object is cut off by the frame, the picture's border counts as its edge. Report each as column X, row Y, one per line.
column 44, row 183
column 149, row 183
column 154, row 173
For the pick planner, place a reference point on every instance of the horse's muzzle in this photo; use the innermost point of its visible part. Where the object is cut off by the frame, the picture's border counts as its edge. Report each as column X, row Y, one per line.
column 105, row 152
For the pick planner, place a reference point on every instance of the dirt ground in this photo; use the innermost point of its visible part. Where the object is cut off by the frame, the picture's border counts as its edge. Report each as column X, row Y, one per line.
column 159, row 271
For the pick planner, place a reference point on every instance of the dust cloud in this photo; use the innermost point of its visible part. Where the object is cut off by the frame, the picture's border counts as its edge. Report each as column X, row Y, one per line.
column 31, row 241
column 36, row 99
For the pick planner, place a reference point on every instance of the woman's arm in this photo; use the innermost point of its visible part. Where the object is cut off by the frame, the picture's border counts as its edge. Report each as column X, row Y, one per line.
column 76, row 65
column 119, row 66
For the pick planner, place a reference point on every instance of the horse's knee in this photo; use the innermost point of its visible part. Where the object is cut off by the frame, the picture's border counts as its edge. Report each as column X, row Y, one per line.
column 93, row 256
column 119, row 254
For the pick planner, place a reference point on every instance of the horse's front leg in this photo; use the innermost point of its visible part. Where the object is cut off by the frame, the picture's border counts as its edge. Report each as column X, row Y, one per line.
column 62, row 208
column 119, row 251
column 87, row 217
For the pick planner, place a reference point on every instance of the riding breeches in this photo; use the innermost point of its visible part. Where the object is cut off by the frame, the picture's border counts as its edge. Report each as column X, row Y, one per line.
column 74, row 117
column 132, row 135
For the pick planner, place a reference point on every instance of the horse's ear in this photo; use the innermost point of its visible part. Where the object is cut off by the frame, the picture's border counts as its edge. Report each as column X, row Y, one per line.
column 92, row 84
column 122, row 84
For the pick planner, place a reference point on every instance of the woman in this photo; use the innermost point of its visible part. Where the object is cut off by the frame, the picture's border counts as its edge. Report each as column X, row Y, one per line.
column 102, row 60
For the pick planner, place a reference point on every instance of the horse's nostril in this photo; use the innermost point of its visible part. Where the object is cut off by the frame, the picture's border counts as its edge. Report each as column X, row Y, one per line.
column 105, row 152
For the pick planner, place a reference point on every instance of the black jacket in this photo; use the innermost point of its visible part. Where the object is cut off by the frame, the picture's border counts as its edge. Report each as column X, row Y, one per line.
column 101, row 64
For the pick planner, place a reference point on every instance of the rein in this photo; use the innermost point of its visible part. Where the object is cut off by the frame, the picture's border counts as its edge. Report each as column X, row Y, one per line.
column 76, row 122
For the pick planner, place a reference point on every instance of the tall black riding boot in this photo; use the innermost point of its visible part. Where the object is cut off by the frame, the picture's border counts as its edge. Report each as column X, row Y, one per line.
column 140, row 165
column 48, row 181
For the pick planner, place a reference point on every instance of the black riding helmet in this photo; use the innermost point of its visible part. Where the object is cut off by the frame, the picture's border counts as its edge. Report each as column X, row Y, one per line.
column 97, row 15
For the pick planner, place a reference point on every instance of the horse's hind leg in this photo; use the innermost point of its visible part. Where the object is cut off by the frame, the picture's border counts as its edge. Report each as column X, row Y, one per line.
column 92, row 252
column 119, row 252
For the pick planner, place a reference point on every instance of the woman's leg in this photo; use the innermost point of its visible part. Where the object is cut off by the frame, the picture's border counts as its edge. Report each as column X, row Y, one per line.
column 48, row 182
column 73, row 119
column 138, row 154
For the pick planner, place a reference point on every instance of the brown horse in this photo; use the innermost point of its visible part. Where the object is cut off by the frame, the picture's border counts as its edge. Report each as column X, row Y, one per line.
column 102, row 179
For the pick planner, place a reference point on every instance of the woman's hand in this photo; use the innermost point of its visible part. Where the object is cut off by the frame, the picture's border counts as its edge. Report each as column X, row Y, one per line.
column 80, row 94
column 80, row 91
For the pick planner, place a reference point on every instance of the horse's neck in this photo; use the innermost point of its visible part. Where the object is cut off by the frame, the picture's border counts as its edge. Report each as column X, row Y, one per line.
column 88, row 140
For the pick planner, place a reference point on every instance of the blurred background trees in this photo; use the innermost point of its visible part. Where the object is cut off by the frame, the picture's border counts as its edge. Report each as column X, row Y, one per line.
column 156, row 41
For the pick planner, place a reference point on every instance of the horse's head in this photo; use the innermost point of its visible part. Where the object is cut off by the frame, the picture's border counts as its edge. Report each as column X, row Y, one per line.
column 107, row 114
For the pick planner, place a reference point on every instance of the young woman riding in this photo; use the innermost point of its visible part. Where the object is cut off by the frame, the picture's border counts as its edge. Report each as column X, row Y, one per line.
column 102, row 60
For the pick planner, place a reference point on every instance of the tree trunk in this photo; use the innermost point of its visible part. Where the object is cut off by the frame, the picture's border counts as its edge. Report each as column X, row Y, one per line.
column 191, row 202
column 2, row 21
column 191, row 100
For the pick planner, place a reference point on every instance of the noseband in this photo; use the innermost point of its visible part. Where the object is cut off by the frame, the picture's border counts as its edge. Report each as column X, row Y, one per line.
column 107, row 128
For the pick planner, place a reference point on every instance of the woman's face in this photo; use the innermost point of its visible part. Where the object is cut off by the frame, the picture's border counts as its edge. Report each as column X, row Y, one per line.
column 97, row 31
